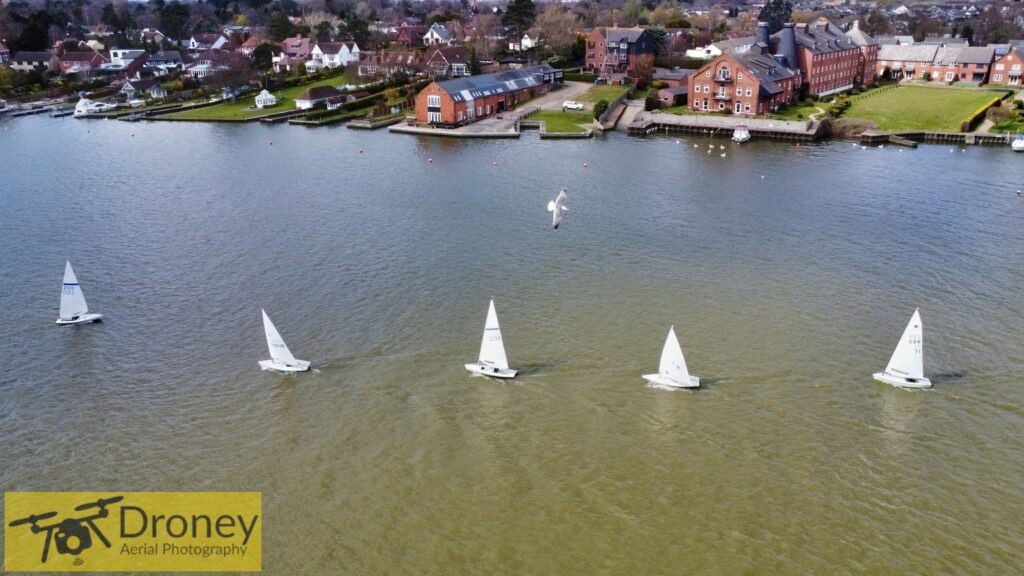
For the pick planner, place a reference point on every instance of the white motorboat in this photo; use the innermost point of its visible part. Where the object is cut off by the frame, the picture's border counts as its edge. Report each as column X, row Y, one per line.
column 1017, row 145
column 86, row 107
column 73, row 309
column 672, row 371
column 741, row 133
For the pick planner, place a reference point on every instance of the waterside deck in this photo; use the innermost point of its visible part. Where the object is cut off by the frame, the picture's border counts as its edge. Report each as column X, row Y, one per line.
column 654, row 122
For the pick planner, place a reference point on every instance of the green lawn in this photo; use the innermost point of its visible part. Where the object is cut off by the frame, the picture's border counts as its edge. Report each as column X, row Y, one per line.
column 919, row 108
column 563, row 121
column 799, row 111
column 239, row 109
column 602, row 92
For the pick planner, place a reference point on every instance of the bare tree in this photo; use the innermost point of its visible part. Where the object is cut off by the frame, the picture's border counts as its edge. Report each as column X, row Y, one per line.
column 556, row 27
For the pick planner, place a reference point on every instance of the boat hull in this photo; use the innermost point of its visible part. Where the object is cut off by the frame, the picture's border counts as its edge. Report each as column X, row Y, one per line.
column 273, row 365
column 491, row 371
column 1017, row 147
column 83, row 319
column 901, row 382
column 661, row 380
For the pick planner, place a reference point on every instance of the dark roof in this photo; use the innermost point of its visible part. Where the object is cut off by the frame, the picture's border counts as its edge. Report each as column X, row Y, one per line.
column 144, row 84
column 820, row 38
column 451, row 54
column 677, row 74
column 470, row 87
column 32, row 57
column 207, row 38
column 766, row 69
column 675, row 91
column 78, row 56
column 167, row 56
column 319, row 93
column 330, row 47
column 977, row 55
column 619, row 34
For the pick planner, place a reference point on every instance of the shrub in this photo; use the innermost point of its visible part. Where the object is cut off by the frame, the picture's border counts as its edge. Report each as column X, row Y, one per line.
column 1018, row 104
column 799, row 116
column 580, row 77
column 652, row 103
column 600, row 107
column 658, row 84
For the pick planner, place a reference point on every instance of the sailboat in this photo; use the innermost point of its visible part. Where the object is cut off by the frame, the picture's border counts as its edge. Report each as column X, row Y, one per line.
column 906, row 367
column 493, row 361
column 73, row 309
column 281, row 357
column 672, row 370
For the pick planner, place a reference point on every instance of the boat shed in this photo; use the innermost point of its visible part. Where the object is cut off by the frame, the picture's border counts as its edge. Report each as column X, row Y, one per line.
column 464, row 100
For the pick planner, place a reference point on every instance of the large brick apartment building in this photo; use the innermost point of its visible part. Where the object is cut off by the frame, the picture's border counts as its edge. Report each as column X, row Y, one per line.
column 827, row 60
column 619, row 52
column 464, row 100
column 750, row 83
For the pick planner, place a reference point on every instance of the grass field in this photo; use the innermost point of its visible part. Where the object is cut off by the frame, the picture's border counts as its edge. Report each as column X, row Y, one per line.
column 603, row 92
column 563, row 121
column 799, row 111
column 239, row 109
column 919, row 108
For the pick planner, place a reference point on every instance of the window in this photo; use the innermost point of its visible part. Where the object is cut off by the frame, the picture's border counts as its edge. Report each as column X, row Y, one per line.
column 434, row 101
column 739, row 75
column 707, row 73
column 739, row 106
column 997, row 78
column 746, row 107
column 1015, row 68
column 739, row 91
column 433, row 117
column 749, row 92
column 721, row 105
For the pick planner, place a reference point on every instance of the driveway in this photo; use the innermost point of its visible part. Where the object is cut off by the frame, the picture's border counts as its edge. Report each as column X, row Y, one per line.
column 569, row 91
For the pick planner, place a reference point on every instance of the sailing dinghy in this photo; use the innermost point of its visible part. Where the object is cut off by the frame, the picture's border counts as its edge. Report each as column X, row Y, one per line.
column 73, row 309
column 492, row 360
column 672, row 371
column 281, row 357
column 906, row 367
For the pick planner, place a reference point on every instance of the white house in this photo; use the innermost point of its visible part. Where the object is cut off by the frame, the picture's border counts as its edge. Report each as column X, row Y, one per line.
column 708, row 52
column 148, row 87
column 525, row 43
column 316, row 95
column 265, row 99
column 200, row 42
column 122, row 57
column 334, row 54
column 438, row 35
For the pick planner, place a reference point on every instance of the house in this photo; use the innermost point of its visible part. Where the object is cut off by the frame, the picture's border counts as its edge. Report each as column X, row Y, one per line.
column 206, row 64
column 165, row 62
column 387, row 63
column 334, row 54
column 525, row 43
column 869, row 52
column 411, row 35
column 265, row 99
column 675, row 96
column 203, row 42
column 41, row 61
column 298, row 48
column 899, row 61
column 1007, row 68
column 619, row 52
column 316, row 95
column 828, row 62
column 249, row 45
column 672, row 78
column 125, row 61
column 704, row 52
column 283, row 63
column 464, row 100
column 151, row 35
column 737, row 45
column 5, row 54
column 751, row 83
column 437, row 35
column 148, row 87
column 81, row 62
column 962, row 64
column 448, row 61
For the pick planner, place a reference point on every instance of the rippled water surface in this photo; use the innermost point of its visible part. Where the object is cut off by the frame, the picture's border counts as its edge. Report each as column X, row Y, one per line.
column 789, row 273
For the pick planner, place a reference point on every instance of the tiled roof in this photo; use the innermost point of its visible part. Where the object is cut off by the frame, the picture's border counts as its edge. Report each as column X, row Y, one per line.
column 451, row 54
column 319, row 93
column 977, row 55
column 767, row 70
column 78, row 56
column 471, row 87
column 899, row 53
column 32, row 57
column 615, row 35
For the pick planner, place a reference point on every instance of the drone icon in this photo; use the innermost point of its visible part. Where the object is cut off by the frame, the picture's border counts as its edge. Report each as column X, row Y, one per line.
column 73, row 535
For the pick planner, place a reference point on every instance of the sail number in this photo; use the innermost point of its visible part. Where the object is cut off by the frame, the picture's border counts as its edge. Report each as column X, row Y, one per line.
column 68, row 291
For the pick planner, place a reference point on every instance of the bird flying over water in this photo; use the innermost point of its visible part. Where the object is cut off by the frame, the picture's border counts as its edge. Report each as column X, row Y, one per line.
column 556, row 207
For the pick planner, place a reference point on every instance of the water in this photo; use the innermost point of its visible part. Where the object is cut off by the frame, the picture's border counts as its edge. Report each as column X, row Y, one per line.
column 786, row 292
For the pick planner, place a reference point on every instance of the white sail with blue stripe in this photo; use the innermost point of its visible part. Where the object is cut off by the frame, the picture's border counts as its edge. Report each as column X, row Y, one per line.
column 492, row 361
column 73, row 309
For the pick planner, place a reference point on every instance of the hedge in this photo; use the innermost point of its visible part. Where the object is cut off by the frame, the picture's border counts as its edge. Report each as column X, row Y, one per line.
column 581, row 77
column 974, row 119
column 347, row 106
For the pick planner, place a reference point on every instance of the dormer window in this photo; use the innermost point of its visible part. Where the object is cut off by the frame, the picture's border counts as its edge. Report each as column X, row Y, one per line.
column 723, row 73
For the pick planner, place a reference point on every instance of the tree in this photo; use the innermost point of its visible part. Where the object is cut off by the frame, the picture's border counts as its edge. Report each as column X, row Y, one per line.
column 660, row 39
column 263, row 55
column 279, row 27
column 875, row 23
column 324, row 31
column 776, row 13
column 967, row 33
column 557, row 27
column 358, row 30
column 631, row 12
column 34, row 33
column 173, row 17
column 519, row 16
column 579, row 49
column 474, row 62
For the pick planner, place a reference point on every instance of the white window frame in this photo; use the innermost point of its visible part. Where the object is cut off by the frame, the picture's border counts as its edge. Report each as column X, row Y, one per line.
column 434, row 100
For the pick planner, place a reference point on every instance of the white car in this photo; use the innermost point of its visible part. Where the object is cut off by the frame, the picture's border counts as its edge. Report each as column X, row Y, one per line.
column 572, row 105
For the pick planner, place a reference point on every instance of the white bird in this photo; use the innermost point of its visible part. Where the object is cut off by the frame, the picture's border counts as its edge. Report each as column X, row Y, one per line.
column 556, row 207
column 721, row 146
column 695, row 145
column 723, row 154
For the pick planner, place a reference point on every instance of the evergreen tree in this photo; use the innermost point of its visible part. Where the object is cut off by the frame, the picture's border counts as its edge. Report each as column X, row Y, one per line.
column 776, row 13
column 519, row 16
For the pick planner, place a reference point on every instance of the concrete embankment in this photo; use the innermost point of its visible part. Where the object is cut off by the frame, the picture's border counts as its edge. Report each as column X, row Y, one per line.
column 654, row 122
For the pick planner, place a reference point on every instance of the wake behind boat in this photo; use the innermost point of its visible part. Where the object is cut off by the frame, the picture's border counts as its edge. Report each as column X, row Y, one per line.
column 86, row 107
column 73, row 309
column 672, row 371
column 281, row 357
column 492, row 361
column 906, row 367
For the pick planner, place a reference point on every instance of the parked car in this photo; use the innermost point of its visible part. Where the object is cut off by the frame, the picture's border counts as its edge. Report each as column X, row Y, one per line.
column 572, row 105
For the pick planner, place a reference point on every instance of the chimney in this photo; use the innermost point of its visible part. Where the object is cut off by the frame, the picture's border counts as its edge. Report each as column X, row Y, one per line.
column 762, row 33
column 787, row 45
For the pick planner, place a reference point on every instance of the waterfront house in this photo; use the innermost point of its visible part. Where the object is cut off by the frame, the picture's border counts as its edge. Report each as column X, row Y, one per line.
column 297, row 47
column 437, row 35
column 464, row 100
column 525, row 43
column 283, row 63
column 81, row 62
column 207, row 64
column 148, row 87
column 619, row 53
column 448, row 61
column 752, row 83
column 868, row 53
column 250, row 45
column 5, row 54
column 828, row 61
column 1007, row 68
column 317, row 95
column 387, row 63
column 26, row 61
column 898, row 61
column 204, row 42
column 166, row 62
column 334, row 54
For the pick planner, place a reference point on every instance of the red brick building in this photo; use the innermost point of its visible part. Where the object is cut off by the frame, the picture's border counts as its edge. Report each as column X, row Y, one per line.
column 827, row 60
column 1007, row 68
column 620, row 52
column 464, row 100
column 868, row 53
column 750, row 83
column 81, row 62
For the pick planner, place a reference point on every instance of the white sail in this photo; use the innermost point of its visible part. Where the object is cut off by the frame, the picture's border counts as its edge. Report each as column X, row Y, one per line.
column 673, row 365
column 278, row 349
column 72, row 301
column 908, row 358
column 492, row 349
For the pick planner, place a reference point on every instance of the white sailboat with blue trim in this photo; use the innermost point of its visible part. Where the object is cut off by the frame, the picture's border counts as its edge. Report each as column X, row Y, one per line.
column 492, row 361
column 73, row 309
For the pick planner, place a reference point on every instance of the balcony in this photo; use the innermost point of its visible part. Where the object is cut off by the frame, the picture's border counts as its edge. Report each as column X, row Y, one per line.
column 722, row 97
column 723, row 79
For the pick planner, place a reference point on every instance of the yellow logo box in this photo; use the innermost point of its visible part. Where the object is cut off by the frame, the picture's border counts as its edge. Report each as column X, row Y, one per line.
column 133, row 532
